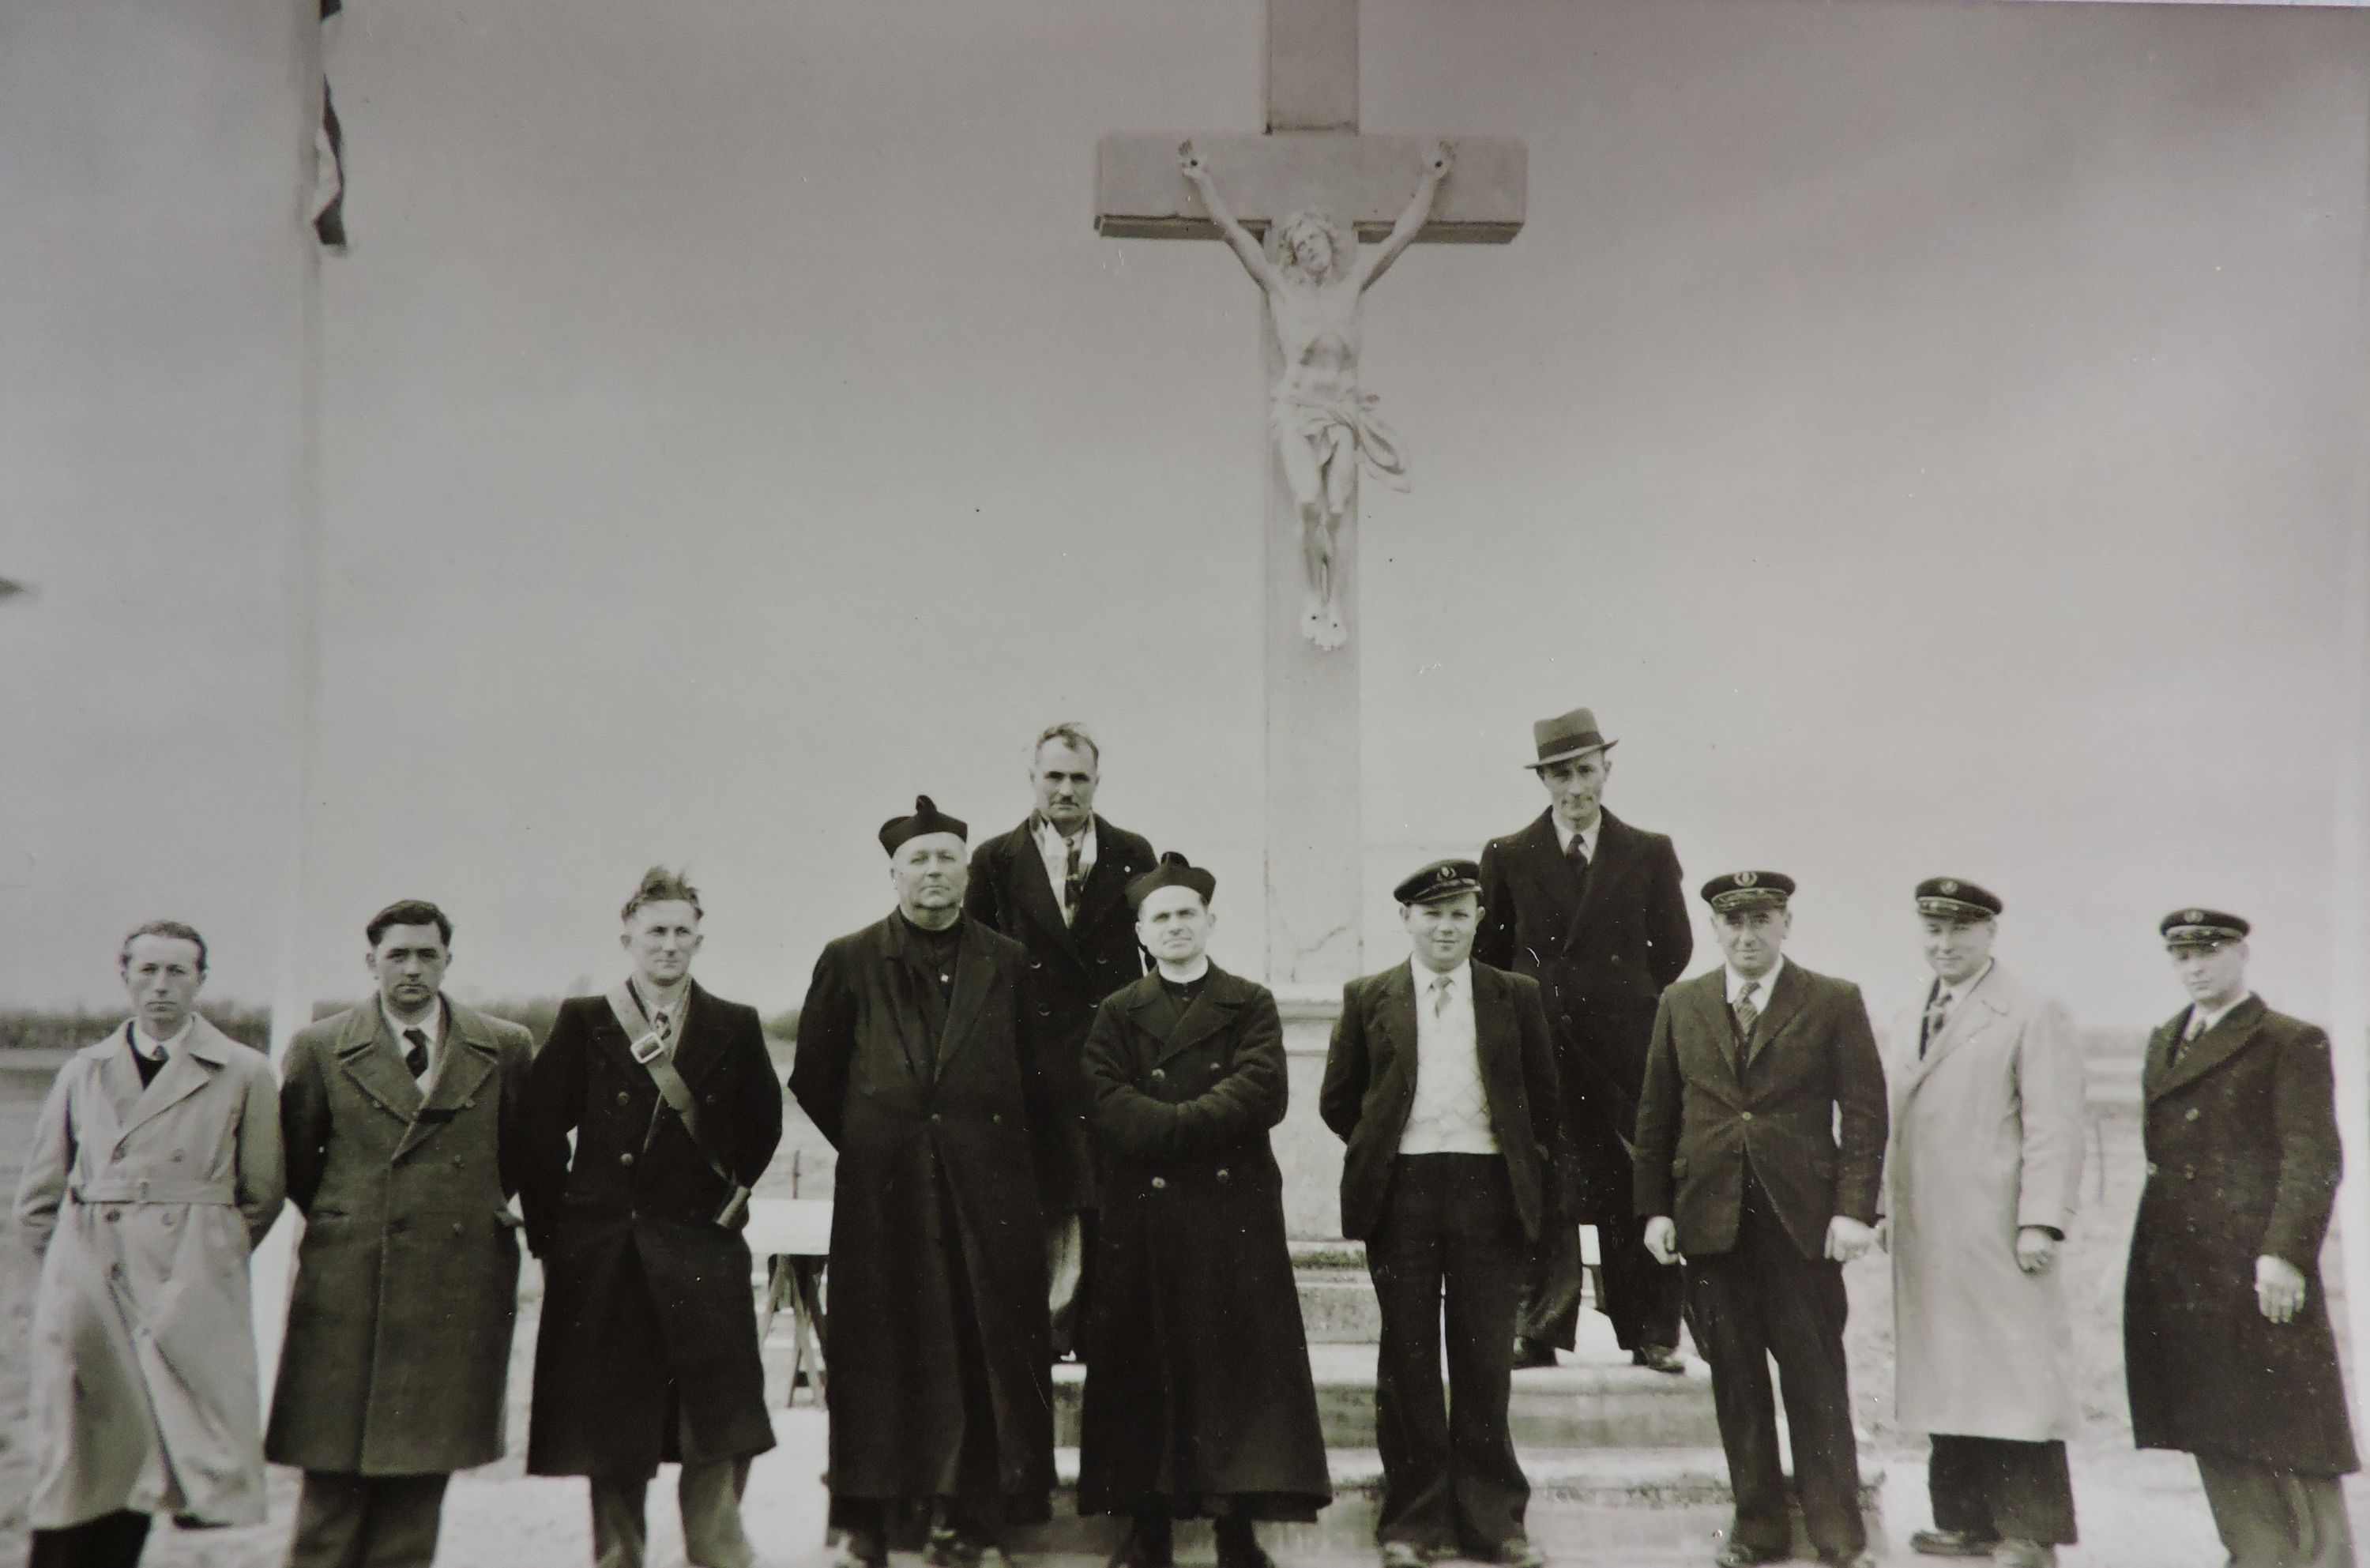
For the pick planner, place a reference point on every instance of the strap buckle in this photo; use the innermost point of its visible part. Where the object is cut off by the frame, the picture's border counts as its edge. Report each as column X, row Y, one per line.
column 649, row 1048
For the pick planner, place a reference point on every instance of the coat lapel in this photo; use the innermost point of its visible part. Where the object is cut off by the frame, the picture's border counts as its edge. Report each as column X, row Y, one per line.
column 366, row 1052
column 1786, row 998
column 1034, row 887
column 1542, row 865
column 972, row 972
column 1987, row 1001
column 1106, row 884
column 1212, row 1011
column 2211, row 1049
column 1496, row 1041
column 2157, row 1065
column 470, row 1059
column 902, row 975
column 1714, row 1027
column 1617, row 846
column 185, row 1072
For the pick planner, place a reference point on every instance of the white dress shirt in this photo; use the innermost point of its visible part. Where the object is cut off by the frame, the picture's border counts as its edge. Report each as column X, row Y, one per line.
column 1451, row 1113
column 1054, row 851
column 1767, row 984
column 154, row 1049
column 1587, row 836
column 2198, row 1025
column 1946, row 997
column 431, row 1026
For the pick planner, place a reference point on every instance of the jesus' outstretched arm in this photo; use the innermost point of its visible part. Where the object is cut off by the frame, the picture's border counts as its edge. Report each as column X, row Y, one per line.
column 1254, row 260
column 1419, row 212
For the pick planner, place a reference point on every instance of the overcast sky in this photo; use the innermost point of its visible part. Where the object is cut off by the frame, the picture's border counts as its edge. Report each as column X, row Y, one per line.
column 1924, row 433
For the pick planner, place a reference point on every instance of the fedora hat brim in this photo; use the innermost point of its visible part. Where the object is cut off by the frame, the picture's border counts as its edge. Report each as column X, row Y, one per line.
column 1567, row 755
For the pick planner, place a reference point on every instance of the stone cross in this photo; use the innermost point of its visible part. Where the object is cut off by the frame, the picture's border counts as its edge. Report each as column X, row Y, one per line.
column 1312, row 158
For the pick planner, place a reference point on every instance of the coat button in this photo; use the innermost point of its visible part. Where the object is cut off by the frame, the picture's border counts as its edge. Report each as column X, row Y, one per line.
column 1746, row 1117
column 114, row 1215
column 935, row 1117
column 997, row 1119
column 2151, row 1167
column 623, row 1099
column 1223, row 1178
column 1159, row 1183
column 177, row 1157
column 1158, row 1076
column 468, row 1104
column 456, row 1162
column 398, row 1225
column 2188, row 1173
column 2192, row 1116
column 627, row 1158
column 456, row 1227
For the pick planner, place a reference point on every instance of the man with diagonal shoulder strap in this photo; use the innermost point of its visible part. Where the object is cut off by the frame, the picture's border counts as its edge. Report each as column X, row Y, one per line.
column 402, row 1121
column 647, row 1350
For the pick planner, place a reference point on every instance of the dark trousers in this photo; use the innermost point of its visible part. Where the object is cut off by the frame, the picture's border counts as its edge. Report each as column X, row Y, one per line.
column 1643, row 1297
column 1450, row 1237
column 111, row 1541
column 2276, row 1518
column 366, row 1521
column 1762, row 1299
column 1999, row 1489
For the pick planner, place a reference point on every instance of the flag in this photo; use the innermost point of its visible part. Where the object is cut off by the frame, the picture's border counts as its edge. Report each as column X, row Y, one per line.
column 329, row 157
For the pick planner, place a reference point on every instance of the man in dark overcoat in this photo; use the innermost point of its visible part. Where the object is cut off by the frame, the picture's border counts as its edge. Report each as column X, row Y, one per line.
column 401, row 1122
column 917, row 1058
column 1760, row 1154
column 1056, row 885
column 1199, row 1395
column 1442, row 1080
column 2227, row 1350
column 1592, row 909
column 648, row 1349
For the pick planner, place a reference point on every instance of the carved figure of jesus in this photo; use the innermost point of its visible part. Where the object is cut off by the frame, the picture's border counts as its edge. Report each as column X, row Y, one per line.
column 1324, row 425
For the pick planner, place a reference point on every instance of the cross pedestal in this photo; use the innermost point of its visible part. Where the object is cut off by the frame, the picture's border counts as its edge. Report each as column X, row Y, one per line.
column 1312, row 158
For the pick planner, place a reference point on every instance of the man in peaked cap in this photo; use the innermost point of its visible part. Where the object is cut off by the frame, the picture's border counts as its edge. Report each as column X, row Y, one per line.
column 1751, row 1069
column 2227, row 1351
column 1199, row 1395
column 918, row 1058
column 1057, row 884
column 1442, row 1080
column 1984, row 1171
column 1591, row 909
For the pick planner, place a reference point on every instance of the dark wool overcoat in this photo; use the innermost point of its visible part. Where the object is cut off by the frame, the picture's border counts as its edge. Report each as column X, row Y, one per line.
column 1601, row 952
column 398, row 1346
column 951, row 1151
column 1803, row 1103
column 1197, row 1384
column 1369, row 1089
column 1071, row 967
column 2243, row 1162
column 644, row 1292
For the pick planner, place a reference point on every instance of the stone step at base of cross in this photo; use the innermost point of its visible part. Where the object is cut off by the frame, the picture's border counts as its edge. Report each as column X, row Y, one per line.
column 1609, row 1508
column 1592, row 1403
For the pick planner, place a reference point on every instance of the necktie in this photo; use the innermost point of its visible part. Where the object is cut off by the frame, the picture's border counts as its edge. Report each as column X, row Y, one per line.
column 416, row 1058
column 1440, row 988
column 1072, row 884
column 1937, row 1012
column 1747, row 1015
column 2189, row 1035
column 1576, row 855
column 664, row 1024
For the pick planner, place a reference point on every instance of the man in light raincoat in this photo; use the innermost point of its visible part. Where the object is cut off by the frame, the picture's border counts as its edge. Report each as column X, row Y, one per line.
column 154, row 1172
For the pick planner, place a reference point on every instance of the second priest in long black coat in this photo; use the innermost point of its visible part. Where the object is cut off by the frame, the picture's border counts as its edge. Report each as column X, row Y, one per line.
column 1199, row 1397
column 918, row 1060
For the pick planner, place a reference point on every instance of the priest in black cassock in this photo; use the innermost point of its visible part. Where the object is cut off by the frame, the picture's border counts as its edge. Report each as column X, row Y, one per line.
column 917, row 1059
column 1199, row 1397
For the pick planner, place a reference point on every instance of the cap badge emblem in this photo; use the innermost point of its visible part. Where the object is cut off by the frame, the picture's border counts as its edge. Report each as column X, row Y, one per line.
column 2194, row 916
column 1746, row 879
column 1948, row 886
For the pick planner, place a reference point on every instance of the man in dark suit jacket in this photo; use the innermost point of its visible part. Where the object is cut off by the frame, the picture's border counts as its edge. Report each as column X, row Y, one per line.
column 917, row 1058
column 1592, row 909
column 2228, row 1348
column 1442, row 1081
column 1751, row 1070
column 647, row 1348
column 1057, row 884
column 402, row 1121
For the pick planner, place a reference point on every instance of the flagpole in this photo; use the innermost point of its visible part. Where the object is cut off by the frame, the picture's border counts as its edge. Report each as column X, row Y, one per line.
column 272, row 1268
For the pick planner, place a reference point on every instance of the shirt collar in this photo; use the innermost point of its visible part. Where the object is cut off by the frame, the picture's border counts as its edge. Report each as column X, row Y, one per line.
column 1050, row 837
column 1951, row 995
column 2220, row 1013
column 151, row 1047
column 433, row 1025
column 1587, row 836
column 1768, row 984
column 1460, row 979
column 1201, row 971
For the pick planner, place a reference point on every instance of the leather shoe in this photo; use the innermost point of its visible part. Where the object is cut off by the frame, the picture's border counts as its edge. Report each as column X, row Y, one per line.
column 1659, row 1358
column 2014, row 1553
column 1848, row 1559
column 1238, row 1545
column 1533, row 1352
column 1404, row 1554
column 1147, row 1545
column 1950, row 1543
column 1736, row 1554
column 1519, row 1552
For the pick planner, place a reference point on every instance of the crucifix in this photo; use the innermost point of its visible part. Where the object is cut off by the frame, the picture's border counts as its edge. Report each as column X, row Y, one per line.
column 1298, row 204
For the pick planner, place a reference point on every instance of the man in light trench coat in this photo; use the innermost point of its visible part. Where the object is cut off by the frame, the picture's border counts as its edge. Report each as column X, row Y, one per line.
column 1985, row 1168
column 152, row 1172
column 401, row 1119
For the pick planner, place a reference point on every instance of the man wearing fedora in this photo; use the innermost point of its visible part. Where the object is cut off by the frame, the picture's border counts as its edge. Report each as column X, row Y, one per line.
column 1760, row 1149
column 2227, row 1351
column 1984, row 1173
column 1442, row 1081
column 1591, row 909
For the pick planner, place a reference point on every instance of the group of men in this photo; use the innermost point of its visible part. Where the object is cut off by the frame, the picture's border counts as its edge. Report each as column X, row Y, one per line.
column 1051, row 1113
